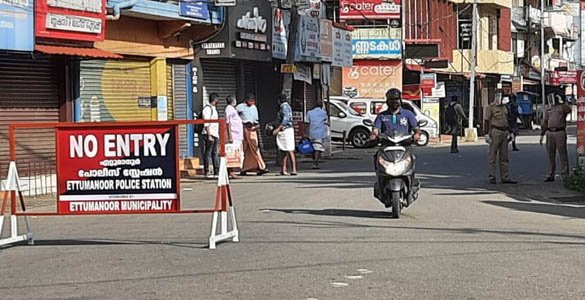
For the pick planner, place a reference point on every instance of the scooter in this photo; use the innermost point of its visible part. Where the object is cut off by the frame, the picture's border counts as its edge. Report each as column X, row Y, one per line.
column 396, row 185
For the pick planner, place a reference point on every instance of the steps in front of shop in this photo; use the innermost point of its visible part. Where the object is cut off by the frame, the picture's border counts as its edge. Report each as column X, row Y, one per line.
column 190, row 167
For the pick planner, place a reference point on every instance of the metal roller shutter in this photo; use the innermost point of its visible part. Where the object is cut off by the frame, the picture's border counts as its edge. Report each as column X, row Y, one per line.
column 266, row 100
column 170, row 92
column 219, row 76
column 180, row 99
column 29, row 92
column 110, row 90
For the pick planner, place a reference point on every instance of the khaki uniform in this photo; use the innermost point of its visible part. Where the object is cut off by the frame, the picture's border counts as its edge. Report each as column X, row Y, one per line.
column 553, row 125
column 497, row 116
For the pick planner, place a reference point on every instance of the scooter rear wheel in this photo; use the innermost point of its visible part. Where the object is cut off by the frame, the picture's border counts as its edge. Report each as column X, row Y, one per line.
column 396, row 205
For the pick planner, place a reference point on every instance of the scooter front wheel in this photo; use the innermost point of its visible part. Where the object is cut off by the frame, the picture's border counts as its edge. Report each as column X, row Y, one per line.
column 396, row 205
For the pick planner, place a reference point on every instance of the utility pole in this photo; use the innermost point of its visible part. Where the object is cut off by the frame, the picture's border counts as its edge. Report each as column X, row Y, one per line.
column 287, row 82
column 542, row 72
column 470, row 134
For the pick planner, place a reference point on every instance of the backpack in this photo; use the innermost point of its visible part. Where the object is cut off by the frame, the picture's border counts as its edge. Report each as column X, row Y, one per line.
column 199, row 127
column 451, row 115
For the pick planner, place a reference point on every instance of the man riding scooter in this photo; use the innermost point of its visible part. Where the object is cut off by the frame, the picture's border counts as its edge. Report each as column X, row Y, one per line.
column 394, row 161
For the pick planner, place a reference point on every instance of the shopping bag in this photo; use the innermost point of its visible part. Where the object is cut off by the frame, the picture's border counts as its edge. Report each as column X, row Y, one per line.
column 233, row 155
column 306, row 147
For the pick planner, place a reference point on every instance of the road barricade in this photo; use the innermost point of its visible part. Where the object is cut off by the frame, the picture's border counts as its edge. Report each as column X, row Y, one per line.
column 117, row 168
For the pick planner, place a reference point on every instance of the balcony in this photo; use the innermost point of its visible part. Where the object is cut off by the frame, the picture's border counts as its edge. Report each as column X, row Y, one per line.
column 488, row 61
column 499, row 3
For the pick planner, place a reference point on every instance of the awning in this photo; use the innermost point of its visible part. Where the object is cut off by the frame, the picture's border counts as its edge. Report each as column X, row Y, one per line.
column 417, row 68
column 76, row 51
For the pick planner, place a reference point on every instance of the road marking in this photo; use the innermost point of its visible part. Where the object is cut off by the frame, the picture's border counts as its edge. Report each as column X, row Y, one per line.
column 354, row 277
column 364, row 271
column 187, row 189
column 265, row 210
column 339, row 284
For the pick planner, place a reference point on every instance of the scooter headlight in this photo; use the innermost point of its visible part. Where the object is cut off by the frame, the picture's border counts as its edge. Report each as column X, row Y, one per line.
column 395, row 169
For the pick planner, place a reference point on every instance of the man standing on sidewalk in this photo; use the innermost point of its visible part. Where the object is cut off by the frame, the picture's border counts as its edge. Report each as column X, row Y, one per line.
column 211, row 136
column 252, row 158
column 554, row 125
column 454, row 115
column 496, row 116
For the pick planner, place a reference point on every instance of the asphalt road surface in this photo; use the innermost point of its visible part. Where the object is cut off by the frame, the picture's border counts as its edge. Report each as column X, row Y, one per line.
column 322, row 235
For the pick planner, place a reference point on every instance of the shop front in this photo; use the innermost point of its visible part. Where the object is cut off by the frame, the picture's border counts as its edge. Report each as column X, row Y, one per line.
column 238, row 61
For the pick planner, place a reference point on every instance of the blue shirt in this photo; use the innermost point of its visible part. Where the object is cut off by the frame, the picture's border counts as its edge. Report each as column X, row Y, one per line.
column 316, row 119
column 404, row 122
column 285, row 115
column 248, row 114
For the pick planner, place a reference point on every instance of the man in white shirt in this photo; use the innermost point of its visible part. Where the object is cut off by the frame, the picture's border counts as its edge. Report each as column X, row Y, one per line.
column 211, row 136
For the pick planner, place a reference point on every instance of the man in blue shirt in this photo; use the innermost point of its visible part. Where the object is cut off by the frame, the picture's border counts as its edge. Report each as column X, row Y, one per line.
column 395, row 118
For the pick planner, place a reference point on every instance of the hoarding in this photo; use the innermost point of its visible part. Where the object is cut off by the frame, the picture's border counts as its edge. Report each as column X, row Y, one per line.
column 581, row 114
column 372, row 78
column 374, row 43
column 369, row 9
column 16, row 25
column 308, row 41
column 114, row 170
column 280, row 25
column 194, row 9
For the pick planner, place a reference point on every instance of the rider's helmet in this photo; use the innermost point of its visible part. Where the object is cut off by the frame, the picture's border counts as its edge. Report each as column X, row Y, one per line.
column 393, row 96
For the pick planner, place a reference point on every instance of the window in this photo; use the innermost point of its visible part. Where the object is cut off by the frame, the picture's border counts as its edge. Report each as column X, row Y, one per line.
column 360, row 107
column 377, row 108
column 408, row 106
column 493, row 33
column 335, row 110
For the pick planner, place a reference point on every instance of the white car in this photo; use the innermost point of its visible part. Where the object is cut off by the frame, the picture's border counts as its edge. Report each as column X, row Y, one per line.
column 357, row 128
column 370, row 107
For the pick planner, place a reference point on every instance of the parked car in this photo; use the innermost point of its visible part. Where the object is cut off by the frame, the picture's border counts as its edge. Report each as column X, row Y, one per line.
column 371, row 107
column 344, row 119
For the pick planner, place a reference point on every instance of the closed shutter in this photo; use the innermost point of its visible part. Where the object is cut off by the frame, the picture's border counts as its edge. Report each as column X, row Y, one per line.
column 170, row 93
column 250, row 77
column 268, row 107
column 29, row 92
column 219, row 76
column 110, row 90
column 180, row 100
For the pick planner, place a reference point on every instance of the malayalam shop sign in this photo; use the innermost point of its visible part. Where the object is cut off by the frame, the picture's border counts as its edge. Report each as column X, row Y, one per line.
column 113, row 170
column 71, row 20
column 369, row 9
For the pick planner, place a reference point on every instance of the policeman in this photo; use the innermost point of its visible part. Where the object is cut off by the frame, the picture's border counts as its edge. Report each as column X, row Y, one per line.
column 553, row 125
column 496, row 115
column 395, row 118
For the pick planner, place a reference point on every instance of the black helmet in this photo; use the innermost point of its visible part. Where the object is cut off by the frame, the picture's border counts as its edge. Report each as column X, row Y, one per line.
column 393, row 94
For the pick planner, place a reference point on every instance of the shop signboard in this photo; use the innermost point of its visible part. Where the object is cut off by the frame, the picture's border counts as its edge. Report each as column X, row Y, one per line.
column 375, row 43
column 196, row 9
column 64, row 19
column 342, row 48
column 303, row 73
column 16, row 25
column 372, row 78
column 369, row 9
column 280, row 25
column 114, row 170
column 432, row 108
column 557, row 78
column 428, row 80
column 308, row 43
column 247, row 33
column 326, row 40
column 581, row 114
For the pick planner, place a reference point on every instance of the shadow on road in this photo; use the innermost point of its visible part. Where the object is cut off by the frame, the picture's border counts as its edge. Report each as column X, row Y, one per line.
column 337, row 212
column 110, row 242
column 542, row 208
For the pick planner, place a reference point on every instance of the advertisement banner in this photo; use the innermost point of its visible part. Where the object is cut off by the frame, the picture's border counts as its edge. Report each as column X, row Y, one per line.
column 369, row 9
column 372, row 78
column 581, row 113
column 374, row 43
column 114, row 170
column 304, row 73
column 16, row 25
column 342, row 48
column 196, row 9
column 280, row 25
column 308, row 40
column 326, row 40
column 65, row 19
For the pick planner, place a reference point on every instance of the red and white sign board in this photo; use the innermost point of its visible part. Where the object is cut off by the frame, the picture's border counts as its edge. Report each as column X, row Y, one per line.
column 369, row 9
column 71, row 19
column 116, row 170
column 581, row 113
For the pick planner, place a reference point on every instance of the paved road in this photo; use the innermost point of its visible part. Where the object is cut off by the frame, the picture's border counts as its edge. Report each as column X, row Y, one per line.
column 321, row 235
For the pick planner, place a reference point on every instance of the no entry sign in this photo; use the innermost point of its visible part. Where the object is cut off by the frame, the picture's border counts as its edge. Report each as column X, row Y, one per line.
column 112, row 170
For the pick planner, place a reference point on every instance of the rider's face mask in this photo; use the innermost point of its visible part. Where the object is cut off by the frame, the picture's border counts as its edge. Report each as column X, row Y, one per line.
column 394, row 104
